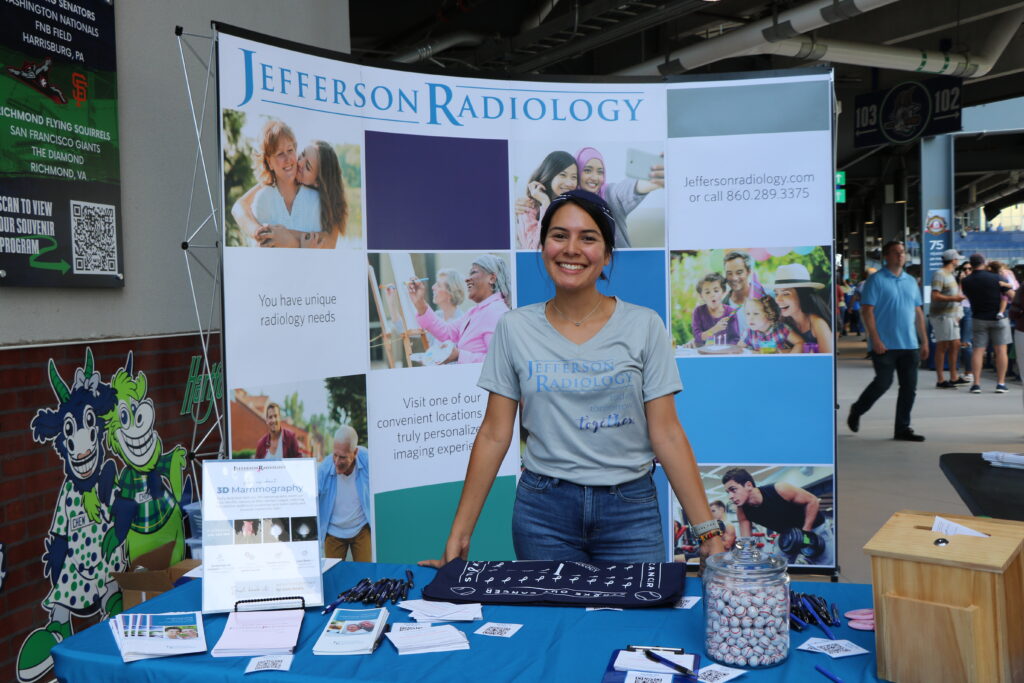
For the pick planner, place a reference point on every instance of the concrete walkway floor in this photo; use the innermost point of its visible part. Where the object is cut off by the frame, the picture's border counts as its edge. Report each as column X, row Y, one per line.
column 877, row 476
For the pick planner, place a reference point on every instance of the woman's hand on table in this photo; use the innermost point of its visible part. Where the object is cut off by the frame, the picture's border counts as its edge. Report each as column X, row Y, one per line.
column 456, row 547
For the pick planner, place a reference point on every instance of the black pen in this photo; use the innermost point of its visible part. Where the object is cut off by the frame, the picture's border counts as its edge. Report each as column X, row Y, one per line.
column 669, row 663
column 408, row 576
column 380, row 638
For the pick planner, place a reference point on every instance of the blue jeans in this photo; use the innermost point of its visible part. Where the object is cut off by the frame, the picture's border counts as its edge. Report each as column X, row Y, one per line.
column 902, row 362
column 555, row 519
column 966, row 334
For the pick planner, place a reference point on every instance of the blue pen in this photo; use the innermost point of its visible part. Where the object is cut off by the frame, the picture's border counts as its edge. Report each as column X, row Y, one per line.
column 828, row 674
column 655, row 657
column 333, row 604
column 814, row 614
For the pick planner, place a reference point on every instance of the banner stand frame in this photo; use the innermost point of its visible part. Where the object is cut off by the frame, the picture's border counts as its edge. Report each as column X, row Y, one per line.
column 197, row 226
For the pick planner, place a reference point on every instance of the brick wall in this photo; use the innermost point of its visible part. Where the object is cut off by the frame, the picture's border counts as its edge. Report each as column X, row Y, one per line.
column 31, row 474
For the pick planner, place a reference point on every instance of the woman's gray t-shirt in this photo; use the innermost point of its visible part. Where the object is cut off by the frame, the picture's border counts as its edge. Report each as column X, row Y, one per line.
column 583, row 404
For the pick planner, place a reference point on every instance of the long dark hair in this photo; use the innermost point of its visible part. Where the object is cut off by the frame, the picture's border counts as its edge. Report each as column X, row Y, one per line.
column 810, row 304
column 553, row 164
column 333, row 208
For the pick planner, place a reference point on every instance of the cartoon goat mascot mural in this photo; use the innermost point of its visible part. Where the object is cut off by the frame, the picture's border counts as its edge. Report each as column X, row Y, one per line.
column 79, row 572
column 151, row 487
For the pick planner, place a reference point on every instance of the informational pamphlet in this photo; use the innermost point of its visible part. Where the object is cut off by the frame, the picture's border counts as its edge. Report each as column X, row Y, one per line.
column 144, row 636
column 352, row 632
column 260, row 538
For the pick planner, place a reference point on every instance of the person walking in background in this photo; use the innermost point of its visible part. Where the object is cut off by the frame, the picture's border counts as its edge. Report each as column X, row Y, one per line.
column 943, row 314
column 966, row 324
column 891, row 309
column 856, row 321
column 985, row 291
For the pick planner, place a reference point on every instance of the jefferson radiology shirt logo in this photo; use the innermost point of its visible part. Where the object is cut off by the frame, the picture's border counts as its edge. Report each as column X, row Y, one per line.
column 575, row 376
column 580, row 377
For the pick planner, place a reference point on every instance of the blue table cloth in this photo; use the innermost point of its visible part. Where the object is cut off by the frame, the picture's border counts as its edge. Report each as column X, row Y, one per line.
column 555, row 643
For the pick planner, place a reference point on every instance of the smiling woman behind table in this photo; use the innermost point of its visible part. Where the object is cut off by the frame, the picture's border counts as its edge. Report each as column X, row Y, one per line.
column 801, row 308
column 596, row 377
column 487, row 286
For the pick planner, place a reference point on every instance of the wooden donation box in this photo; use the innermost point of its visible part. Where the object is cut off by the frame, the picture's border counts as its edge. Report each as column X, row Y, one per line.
column 948, row 607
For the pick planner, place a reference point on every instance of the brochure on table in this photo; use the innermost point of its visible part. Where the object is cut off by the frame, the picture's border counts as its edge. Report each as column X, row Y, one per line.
column 260, row 536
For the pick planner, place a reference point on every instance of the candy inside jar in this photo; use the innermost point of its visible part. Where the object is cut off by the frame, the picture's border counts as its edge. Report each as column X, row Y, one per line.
column 746, row 607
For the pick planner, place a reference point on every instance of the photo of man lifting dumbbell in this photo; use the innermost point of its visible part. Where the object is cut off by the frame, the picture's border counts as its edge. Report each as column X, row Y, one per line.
column 804, row 532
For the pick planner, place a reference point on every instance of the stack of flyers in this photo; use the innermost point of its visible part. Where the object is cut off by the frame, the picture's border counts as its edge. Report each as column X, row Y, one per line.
column 431, row 639
column 251, row 634
column 144, row 636
column 431, row 611
column 352, row 632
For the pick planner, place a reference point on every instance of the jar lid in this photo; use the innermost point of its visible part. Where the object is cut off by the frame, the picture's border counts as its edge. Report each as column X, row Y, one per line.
column 746, row 559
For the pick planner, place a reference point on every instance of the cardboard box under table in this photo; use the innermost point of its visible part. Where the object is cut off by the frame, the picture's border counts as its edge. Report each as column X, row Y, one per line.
column 152, row 574
column 948, row 607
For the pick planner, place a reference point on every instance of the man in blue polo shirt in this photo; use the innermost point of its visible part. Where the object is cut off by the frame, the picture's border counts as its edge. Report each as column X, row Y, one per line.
column 891, row 311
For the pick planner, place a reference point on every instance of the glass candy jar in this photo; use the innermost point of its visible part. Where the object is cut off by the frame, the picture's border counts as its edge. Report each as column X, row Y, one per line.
column 746, row 607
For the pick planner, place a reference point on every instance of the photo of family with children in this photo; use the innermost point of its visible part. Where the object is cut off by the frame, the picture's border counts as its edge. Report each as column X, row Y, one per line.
column 773, row 300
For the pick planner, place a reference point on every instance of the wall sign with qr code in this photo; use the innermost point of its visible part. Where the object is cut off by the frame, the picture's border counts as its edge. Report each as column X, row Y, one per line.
column 60, row 175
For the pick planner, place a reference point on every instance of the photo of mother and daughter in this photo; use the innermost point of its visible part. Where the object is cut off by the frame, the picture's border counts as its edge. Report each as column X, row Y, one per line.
column 299, row 199
column 735, row 312
column 559, row 172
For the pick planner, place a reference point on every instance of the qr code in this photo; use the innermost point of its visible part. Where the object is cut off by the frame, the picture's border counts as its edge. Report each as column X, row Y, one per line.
column 93, row 239
column 268, row 664
column 496, row 631
column 713, row 676
column 831, row 648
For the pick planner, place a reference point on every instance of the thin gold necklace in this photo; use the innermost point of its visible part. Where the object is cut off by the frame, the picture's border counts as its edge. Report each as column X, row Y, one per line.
column 581, row 320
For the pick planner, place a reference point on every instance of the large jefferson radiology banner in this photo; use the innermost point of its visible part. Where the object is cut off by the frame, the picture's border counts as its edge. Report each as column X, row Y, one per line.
column 367, row 178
